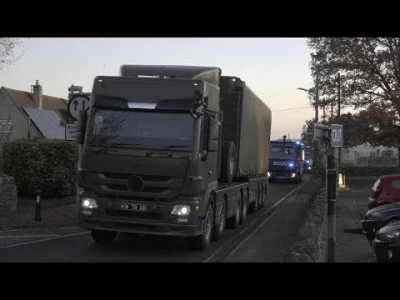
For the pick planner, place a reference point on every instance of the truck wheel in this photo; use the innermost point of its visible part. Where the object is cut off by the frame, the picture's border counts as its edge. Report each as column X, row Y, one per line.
column 203, row 240
column 243, row 215
column 103, row 237
column 228, row 162
column 219, row 227
column 233, row 222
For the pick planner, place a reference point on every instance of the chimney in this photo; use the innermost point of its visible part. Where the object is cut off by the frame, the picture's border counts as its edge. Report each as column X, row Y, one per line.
column 37, row 95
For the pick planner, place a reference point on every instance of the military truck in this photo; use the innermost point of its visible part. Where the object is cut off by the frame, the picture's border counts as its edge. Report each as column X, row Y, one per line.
column 171, row 150
column 286, row 161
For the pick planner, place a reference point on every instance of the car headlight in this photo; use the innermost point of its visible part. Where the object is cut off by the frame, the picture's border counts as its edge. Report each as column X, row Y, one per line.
column 388, row 236
column 89, row 203
column 181, row 210
column 392, row 235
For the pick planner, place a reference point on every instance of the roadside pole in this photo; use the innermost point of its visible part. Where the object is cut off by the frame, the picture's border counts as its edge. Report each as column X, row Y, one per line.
column 332, row 137
column 331, row 180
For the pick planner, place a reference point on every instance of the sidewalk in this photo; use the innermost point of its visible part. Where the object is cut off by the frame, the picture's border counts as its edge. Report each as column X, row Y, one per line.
column 351, row 244
column 54, row 213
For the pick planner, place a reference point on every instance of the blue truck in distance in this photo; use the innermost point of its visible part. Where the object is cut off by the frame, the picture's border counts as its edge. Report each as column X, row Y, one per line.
column 286, row 161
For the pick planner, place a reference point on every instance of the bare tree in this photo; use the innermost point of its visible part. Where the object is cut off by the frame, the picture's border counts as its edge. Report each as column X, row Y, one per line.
column 11, row 50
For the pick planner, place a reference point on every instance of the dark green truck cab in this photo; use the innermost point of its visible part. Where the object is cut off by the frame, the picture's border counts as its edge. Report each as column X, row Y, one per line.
column 157, row 157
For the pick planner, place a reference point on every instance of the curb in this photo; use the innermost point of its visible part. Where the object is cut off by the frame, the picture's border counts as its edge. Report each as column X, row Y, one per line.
column 38, row 226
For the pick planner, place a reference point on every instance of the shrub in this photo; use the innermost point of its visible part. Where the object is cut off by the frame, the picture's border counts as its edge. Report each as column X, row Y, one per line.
column 40, row 164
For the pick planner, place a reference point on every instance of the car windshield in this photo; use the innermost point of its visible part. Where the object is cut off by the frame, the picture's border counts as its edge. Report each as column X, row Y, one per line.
column 152, row 130
column 282, row 152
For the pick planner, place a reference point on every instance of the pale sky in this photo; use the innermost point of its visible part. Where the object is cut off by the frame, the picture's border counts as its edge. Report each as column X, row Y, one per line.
column 272, row 67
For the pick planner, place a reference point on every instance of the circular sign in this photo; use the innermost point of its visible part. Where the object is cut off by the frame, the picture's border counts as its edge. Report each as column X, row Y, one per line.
column 76, row 105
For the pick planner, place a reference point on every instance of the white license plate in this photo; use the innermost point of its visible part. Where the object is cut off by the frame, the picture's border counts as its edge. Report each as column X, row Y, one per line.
column 133, row 207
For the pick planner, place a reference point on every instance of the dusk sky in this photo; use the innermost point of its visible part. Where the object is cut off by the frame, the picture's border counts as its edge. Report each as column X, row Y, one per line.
column 272, row 67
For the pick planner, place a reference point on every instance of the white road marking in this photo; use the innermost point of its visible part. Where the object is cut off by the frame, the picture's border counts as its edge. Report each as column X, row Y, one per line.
column 43, row 240
column 27, row 236
column 244, row 229
column 251, row 234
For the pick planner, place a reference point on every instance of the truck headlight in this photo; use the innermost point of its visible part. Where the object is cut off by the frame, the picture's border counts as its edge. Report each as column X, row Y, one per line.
column 181, row 210
column 89, row 203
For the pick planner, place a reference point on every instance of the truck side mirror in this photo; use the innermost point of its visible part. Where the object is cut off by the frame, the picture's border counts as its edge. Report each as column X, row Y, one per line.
column 80, row 136
column 213, row 135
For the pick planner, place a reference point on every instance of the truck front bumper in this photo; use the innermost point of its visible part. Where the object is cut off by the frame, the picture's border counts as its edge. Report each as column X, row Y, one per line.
column 141, row 227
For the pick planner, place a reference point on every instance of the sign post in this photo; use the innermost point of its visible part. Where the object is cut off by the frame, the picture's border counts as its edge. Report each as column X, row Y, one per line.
column 332, row 137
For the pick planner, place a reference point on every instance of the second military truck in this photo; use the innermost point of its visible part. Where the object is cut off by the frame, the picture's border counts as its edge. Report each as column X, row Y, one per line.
column 171, row 150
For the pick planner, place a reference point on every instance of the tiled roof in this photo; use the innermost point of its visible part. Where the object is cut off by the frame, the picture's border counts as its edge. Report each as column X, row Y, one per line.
column 25, row 99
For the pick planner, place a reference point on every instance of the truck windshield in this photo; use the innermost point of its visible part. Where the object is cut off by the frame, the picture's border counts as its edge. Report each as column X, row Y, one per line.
column 152, row 130
column 281, row 152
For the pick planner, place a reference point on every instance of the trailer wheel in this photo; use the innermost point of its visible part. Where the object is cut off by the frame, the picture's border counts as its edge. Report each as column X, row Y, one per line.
column 244, row 202
column 228, row 162
column 202, row 241
column 233, row 222
column 219, row 227
column 103, row 237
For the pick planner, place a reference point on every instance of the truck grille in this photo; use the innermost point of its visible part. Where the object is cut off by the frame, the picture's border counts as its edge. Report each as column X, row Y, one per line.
column 133, row 215
column 144, row 177
column 111, row 197
column 123, row 187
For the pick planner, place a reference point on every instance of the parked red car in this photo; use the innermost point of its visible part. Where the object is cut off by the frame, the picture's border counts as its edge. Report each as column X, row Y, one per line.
column 385, row 190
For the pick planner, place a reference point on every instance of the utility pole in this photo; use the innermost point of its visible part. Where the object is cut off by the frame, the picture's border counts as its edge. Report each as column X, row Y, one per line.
column 316, row 96
column 323, row 104
column 331, row 182
column 339, row 105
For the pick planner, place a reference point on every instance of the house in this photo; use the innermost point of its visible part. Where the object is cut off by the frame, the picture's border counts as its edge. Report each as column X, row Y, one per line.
column 33, row 114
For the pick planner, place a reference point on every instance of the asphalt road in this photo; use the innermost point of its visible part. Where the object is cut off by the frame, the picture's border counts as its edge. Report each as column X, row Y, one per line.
column 79, row 247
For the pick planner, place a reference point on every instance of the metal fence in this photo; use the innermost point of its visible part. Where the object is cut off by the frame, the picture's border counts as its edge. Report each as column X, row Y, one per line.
column 373, row 159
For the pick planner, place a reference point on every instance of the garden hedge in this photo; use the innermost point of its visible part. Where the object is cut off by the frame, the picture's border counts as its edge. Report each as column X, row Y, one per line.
column 40, row 164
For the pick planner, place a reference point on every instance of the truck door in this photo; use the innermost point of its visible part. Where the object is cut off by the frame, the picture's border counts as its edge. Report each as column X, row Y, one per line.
column 209, row 166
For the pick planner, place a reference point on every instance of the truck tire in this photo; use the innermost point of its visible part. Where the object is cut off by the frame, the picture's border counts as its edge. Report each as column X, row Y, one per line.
column 202, row 241
column 103, row 237
column 219, row 227
column 228, row 162
column 233, row 222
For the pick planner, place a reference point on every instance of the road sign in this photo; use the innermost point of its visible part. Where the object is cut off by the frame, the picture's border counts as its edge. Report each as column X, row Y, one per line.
column 71, row 130
column 320, row 131
column 77, row 104
column 5, row 126
column 336, row 136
